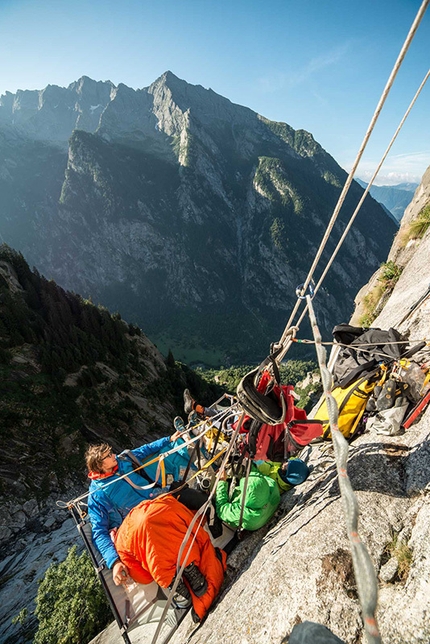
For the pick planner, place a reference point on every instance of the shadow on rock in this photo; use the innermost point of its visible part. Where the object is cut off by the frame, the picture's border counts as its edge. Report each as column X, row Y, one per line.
column 390, row 468
column 311, row 633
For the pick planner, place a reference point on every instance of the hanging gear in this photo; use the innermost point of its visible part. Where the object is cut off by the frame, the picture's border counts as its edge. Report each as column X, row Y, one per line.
column 279, row 441
column 253, row 397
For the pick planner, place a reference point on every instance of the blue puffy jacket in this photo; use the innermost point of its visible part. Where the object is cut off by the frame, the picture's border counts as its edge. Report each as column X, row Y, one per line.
column 109, row 504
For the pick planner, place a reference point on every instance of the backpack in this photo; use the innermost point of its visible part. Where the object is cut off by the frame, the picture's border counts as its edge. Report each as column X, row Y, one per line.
column 359, row 367
column 351, row 402
column 365, row 350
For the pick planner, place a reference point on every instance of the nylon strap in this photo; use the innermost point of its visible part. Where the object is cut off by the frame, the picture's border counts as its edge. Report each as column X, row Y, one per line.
column 127, row 453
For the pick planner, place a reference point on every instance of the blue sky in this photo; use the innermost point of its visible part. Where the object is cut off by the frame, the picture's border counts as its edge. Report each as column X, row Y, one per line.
column 320, row 65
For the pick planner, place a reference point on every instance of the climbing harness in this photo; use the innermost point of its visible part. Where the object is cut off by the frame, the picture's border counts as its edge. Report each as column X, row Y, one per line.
column 140, row 469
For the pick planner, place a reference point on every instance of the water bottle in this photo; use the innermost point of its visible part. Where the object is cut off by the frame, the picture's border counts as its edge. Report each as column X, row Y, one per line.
column 128, row 582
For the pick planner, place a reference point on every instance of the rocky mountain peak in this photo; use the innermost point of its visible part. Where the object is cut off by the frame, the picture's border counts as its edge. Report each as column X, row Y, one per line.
column 51, row 114
column 169, row 79
column 161, row 174
column 85, row 84
column 204, row 104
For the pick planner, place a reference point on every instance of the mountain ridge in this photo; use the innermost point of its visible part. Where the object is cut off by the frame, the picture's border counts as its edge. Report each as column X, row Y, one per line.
column 196, row 218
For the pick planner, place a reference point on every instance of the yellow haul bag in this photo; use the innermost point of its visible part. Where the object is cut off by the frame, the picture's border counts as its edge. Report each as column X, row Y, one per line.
column 351, row 403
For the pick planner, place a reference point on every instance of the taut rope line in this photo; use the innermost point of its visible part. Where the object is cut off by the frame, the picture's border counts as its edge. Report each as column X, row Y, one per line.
column 365, row 193
column 349, row 179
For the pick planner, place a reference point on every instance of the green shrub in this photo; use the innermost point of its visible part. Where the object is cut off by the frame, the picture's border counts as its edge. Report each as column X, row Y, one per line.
column 21, row 618
column 370, row 303
column 390, row 273
column 70, row 605
column 419, row 226
column 277, row 232
column 404, row 555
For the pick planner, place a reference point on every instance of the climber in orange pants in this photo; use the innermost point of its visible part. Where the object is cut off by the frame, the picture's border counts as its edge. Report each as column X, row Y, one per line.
column 148, row 543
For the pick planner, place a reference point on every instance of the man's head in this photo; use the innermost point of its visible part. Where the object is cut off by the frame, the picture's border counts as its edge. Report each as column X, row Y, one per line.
column 100, row 458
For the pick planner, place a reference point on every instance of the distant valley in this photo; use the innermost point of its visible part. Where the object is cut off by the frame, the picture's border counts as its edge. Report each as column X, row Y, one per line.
column 395, row 198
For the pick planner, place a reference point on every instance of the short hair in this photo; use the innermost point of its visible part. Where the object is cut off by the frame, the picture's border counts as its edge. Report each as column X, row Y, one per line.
column 94, row 456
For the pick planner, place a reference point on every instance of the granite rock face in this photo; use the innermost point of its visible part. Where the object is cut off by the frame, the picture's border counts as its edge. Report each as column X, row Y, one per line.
column 45, row 541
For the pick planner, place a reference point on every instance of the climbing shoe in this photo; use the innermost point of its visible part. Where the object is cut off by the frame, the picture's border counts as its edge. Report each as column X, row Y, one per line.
column 194, row 423
column 182, row 597
column 196, row 579
column 193, row 419
column 189, row 402
column 191, row 405
column 178, row 424
column 386, row 398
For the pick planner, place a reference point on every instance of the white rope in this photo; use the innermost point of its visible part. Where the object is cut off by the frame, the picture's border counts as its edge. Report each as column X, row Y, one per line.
column 365, row 193
column 349, row 179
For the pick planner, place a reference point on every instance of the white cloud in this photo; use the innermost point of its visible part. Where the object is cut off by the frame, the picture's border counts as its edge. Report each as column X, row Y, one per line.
column 390, row 179
column 400, row 168
column 279, row 80
column 326, row 60
column 318, row 63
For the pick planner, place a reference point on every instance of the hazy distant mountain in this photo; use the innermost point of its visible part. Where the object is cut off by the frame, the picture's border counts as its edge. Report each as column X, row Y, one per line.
column 194, row 217
column 395, row 198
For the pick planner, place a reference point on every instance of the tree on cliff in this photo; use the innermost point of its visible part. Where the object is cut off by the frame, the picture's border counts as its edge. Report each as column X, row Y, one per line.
column 70, row 605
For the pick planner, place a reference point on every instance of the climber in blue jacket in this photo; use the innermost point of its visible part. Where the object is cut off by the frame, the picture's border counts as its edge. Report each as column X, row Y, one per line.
column 111, row 498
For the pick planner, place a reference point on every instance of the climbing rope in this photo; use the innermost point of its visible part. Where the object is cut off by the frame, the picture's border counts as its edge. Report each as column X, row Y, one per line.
column 282, row 342
column 363, row 568
column 361, row 348
column 357, row 347
column 364, row 195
